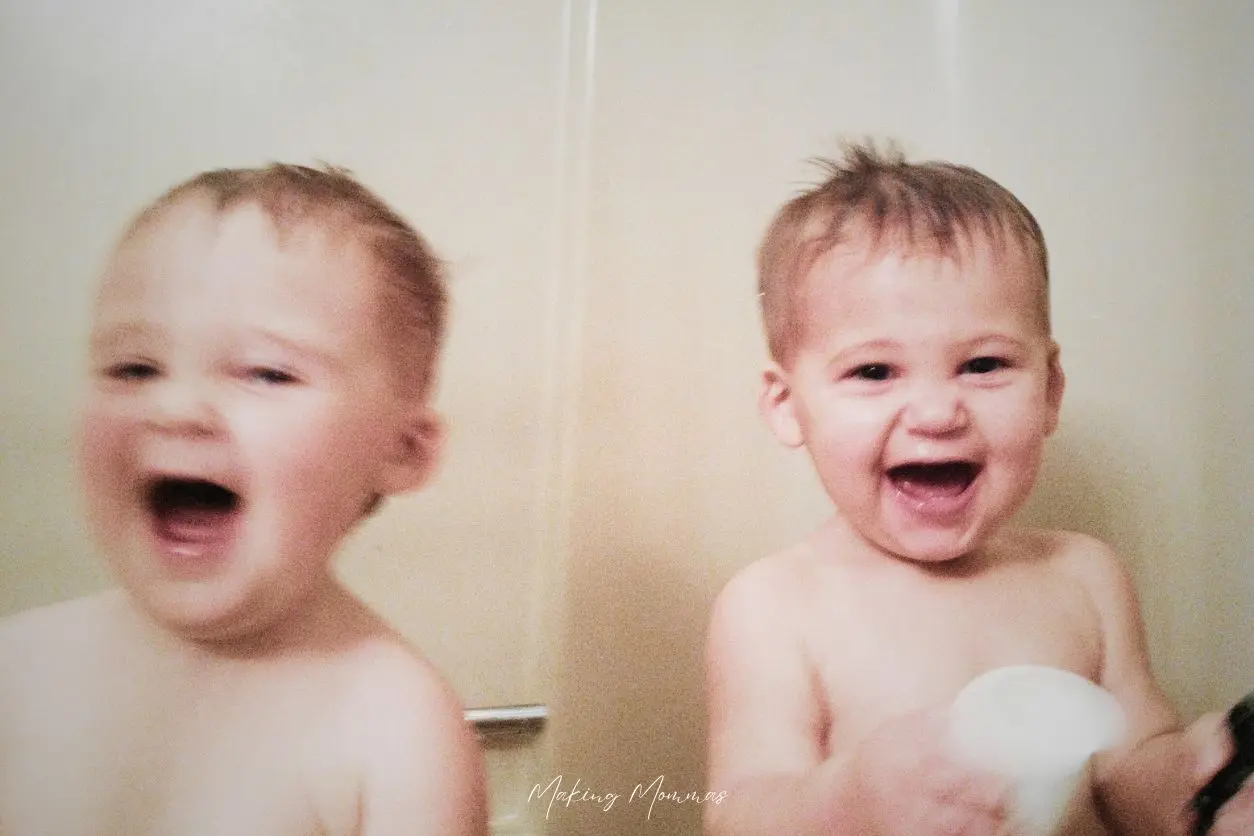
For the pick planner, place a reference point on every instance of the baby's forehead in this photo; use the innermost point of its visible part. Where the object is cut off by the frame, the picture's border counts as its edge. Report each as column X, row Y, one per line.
column 234, row 263
column 187, row 226
column 998, row 251
column 192, row 234
column 989, row 274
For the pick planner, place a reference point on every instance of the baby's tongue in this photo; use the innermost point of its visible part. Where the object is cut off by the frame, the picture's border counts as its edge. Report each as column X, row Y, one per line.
column 194, row 524
column 924, row 481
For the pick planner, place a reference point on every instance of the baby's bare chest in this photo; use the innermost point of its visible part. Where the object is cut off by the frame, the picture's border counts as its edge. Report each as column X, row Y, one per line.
column 110, row 762
column 894, row 652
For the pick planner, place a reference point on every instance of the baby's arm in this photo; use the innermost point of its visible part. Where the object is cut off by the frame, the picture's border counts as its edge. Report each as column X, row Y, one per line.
column 422, row 770
column 766, row 722
column 767, row 750
column 1145, row 786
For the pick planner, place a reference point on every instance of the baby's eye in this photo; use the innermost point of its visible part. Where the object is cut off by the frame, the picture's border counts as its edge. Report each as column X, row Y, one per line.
column 130, row 370
column 983, row 365
column 270, row 375
column 872, row 371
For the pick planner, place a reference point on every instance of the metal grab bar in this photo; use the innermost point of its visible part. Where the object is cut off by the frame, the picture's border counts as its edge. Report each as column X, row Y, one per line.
column 508, row 720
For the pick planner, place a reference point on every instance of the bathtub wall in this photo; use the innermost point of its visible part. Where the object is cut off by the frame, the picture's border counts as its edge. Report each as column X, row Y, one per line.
column 1226, row 279
column 1126, row 126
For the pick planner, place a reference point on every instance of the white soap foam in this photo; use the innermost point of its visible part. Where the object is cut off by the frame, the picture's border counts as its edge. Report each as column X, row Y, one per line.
column 1037, row 727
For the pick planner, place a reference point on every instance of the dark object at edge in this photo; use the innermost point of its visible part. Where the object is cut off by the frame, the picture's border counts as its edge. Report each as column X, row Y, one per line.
column 1228, row 780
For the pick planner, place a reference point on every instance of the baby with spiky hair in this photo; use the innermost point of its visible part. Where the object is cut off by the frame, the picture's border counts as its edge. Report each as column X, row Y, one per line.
column 907, row 315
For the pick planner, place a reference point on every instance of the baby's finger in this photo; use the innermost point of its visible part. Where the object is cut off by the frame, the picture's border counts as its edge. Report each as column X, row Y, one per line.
column 988, row 793
column 1237, row 816
column 956, row 783
column 964, row 820
column 1209, row 742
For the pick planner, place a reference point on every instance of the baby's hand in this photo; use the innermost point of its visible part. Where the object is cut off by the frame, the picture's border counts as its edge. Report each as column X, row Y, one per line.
column 1149, row 788
column 1236, row 818
column 1211, row 744
column 910, row 785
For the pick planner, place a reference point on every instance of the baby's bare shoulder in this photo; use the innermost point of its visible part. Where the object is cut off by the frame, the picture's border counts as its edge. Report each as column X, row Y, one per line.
column 386, row 673
column 39, row 636
column 787, row 579
column 31, row 623
column 1059, row 549
column 766, row 579
column 765, row 619
column 766, row 596
column 1081, row 559
column 49, row 654
column 417, row 759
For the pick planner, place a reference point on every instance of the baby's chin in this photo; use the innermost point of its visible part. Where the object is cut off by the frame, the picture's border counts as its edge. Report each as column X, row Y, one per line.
column 934, row 557
column 214, row 614
column 932, row 549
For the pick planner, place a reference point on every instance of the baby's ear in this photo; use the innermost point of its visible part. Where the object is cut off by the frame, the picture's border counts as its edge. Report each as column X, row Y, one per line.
column 778, row 408
column 1055, row 385
column 416, row 452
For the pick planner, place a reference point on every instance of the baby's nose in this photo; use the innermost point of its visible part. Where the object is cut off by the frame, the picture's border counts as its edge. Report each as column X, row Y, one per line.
column 182, row 406
column 936, row 409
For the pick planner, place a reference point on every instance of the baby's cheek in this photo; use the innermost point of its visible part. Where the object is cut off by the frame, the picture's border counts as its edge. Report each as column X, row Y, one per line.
column 101, row 444
column 332, row 457
column 102, row 462
column 1025, row 426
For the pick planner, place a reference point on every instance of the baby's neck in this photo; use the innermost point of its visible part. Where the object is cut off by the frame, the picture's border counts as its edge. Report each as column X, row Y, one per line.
column 838, row 536
column 328, row 620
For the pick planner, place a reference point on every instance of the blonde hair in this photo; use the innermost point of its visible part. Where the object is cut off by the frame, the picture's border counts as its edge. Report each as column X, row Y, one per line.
column 415, row 303
column 878, row 193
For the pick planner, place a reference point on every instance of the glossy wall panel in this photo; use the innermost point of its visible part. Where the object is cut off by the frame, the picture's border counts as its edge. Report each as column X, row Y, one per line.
column 1228, row 345
column 598, row 173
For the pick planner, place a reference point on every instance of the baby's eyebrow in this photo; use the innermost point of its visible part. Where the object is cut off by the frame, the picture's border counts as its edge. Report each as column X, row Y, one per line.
column 880, row 344
column 866, row 352
column 866, row 347
column 305, row 347
column 110, row 337
column 995, row 340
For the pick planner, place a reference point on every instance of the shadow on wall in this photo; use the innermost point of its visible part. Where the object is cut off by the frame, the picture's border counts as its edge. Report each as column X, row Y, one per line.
column 1096, row 482
column 640, row 730
column 1074, row 490
column 49, row 556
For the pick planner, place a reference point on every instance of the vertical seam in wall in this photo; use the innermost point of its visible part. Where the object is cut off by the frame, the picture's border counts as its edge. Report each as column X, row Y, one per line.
column 565, row 291
column 945, row 19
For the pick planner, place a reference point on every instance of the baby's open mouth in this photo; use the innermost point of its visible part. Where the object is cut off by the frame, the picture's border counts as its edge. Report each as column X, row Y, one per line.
column 191, row 511
column 934, row 479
